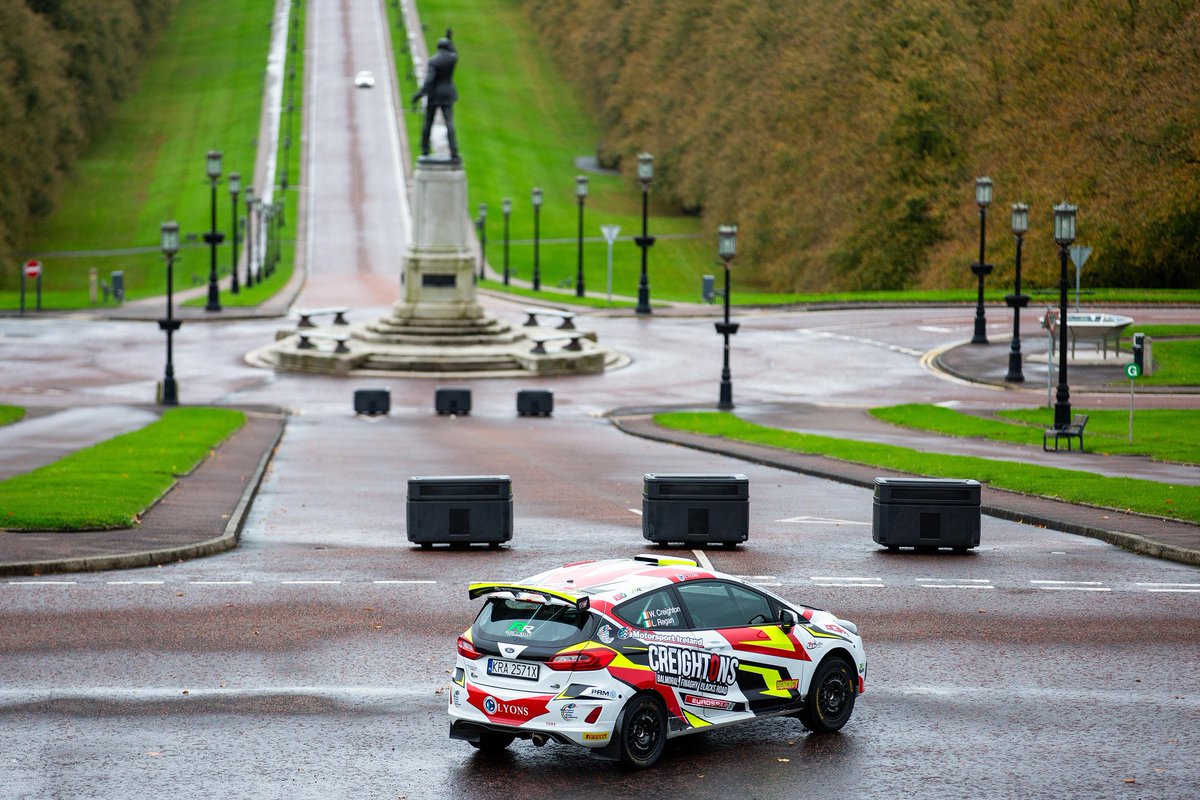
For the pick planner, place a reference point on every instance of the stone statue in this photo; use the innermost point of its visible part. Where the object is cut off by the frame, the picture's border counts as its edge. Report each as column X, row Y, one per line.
column 439, row 92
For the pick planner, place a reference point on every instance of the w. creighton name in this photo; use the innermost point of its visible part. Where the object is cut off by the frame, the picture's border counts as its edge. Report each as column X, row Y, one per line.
column 693, row 669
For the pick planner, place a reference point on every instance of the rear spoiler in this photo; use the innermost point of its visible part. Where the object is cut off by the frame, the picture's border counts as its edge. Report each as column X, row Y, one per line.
column 477, row 590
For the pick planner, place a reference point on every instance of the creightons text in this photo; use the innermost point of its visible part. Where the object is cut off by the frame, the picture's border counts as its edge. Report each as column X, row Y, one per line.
column 693, row 669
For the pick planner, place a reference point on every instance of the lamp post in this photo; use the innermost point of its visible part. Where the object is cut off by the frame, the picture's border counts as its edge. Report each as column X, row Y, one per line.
column 645, row 171
column 483, row 239
column 506, row 207
column 983, row 196
column 1016, row 301
column 581, row 189
column 213, row 237
column 170, row 246
column 235, row 186
column 250, row 207
column 726, row 249
column 537, row 212
column 1064, row 235
column 261, row 208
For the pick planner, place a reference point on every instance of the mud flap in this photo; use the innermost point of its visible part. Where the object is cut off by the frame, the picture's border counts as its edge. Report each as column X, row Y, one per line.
column 612, row 750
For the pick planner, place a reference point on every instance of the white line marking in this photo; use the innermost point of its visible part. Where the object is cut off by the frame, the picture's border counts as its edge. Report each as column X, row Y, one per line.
column 134, row 583
column 394, row 582
column 1075, row 588
column 955, row 586
column 309, row 582
column 637, row 511
column 702, row 560
column 955, row 580
column 936, row 329
column 1057, row 553
column 854, row 585
column 757, row 577
column 821, row 521
column 1173, row 590
column 1197, row 585
column 1071, row 583
column 220, row 583
column 41, row 583
column 840, row 578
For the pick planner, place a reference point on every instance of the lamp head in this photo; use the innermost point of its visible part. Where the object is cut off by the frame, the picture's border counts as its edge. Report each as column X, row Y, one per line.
column 1020, row 218
column 170, row 237
column 581, row 186
column 506, row 206
column 645, row 168
column 983, row 191
column 212, row 165
column 1064, row 224
column 727, row 242
column 235, row 183
column 537, row 197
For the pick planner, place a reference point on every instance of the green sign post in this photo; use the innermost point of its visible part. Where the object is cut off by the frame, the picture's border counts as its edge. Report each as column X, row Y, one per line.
column 1133, row 371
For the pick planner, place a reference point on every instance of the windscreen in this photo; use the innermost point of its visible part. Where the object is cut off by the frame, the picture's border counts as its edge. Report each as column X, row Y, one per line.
column 542, row 624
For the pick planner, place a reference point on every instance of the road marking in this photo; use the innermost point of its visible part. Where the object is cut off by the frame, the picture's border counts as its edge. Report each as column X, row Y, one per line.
column 937, row 329
column 134, row 583
column 757, row 577
column 702, row 560
column 840, row 578
column 637, row 511
column 1070, row 583
column 821, row 521
column 1194, row 585
column 395, row 582
column 41, row 583
column 956, row 586
column 1075, row 588
column 908, row 351
column 1173, row 590
column 955, row 580
column 854, row 585
column 221, row 583
column 300, row 583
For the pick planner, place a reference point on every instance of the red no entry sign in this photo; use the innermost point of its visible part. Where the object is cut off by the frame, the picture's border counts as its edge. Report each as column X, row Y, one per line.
column 33, row 269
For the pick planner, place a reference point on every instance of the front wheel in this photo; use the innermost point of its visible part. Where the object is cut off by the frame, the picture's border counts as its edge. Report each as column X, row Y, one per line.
column 493, row 742
column 830, row 697
column 644, row 732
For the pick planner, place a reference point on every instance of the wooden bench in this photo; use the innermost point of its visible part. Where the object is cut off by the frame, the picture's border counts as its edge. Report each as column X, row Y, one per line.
column 306, row 315
column 567, row 317
column 1072, row 430
column 540, row 339
column 307, row 340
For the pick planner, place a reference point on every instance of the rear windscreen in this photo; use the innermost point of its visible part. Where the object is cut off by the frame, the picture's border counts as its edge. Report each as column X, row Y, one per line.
column 533, row 623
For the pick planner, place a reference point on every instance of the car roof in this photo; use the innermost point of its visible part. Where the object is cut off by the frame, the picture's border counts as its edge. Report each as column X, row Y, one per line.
column 603, row 580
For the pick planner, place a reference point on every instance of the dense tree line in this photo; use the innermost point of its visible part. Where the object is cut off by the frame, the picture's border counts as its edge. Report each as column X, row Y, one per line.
column 845, row 136
column 63, row 66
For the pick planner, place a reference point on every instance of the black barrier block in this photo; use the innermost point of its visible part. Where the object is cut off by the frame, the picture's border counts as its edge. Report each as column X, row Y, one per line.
column 460, row 509
column 926, row 512
column 535, row 402
column 452, row 400
column 696, row 509
column 372, row 401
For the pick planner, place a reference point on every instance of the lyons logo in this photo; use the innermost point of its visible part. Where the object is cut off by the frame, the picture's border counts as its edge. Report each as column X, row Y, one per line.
column 491, row 707
column 693, row 669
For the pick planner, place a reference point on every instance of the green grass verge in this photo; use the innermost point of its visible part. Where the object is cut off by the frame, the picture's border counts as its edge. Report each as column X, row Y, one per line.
column 110, row 484
column 200, row 88
column 11, row 414
column 1131, row 494
column 560, row 297
column 1161, row 434
column 1161, row 331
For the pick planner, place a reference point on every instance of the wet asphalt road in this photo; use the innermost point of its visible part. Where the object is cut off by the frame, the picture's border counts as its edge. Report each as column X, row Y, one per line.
column 312, row 661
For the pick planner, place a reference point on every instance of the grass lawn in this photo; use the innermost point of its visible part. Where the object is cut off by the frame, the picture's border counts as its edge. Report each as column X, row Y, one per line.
column 559, row 296
column 110, row 484
column 11, row 414
column 1161, row 434
column 201, row 88
column 1161, row 332
column 1180, row 502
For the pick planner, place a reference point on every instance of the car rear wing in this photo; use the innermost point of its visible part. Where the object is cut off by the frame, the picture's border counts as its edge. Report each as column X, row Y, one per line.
column 530, row 593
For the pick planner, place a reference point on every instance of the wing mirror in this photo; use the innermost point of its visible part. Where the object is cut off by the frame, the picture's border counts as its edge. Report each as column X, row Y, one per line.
column 788, row 620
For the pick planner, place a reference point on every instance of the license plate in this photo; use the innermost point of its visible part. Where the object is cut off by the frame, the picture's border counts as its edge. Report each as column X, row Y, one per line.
column 512, row 669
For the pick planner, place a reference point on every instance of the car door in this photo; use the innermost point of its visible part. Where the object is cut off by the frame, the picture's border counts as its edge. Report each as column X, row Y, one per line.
column 741, row 624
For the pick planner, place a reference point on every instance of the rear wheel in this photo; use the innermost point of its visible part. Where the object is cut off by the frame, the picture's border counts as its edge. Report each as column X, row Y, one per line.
column 644, row 732
column 830, row 699
column 493, row 742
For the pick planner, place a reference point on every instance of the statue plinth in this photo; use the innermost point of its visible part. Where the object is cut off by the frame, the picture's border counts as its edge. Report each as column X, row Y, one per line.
column 438, row 277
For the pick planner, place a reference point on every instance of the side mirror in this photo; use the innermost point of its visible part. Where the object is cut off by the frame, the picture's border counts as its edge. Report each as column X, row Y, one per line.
column 787, row 620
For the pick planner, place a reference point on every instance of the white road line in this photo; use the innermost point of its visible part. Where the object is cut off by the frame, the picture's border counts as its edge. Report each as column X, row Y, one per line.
column 956, row 586
column 220, row 583
column 299, row 583
column 1173, row 590
column 1070, row 583
column 854, row 585
column 395, row 582
column 1194, row 585
column 821, row 521
column 41, row 583
column 757, row 577
column 841, row 578
column 702, row 559
column 1075, row 588
column 134, row 583
column 637, row 511
column 954, row 580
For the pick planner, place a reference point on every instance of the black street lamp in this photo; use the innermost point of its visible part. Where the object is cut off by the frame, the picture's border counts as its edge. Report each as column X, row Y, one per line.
column 537, row 213
column 581, row 189
column 482, row 239
column 235, row 186
column 259, row 272
column 983, row 196
column 1064, row 235
column 645, row 177
column 272, row 237
column 726, row 249
column 506, row 207
column 170, row 246
column 1016, row 301
column 213, row 237
column 251, row 206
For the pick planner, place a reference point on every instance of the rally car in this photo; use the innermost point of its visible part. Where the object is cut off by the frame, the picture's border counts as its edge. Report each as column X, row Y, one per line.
column 618, row 656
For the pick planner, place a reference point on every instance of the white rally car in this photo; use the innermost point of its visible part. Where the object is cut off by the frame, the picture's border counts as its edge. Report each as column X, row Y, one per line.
column 618, row 656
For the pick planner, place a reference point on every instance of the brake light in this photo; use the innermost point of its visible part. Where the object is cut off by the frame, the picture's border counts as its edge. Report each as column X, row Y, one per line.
column 467, row 650
column 582, row 660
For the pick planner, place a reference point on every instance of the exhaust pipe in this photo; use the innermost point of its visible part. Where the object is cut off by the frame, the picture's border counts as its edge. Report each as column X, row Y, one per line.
column 539, row 739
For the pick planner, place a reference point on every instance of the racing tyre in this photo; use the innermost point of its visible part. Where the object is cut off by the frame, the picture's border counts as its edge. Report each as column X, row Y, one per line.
column 644, row 732
column 493, row 742
column 830, row 697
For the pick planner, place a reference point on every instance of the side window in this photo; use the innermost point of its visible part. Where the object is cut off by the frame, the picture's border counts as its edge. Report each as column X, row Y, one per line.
column 654, row 611
column 713, row 604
